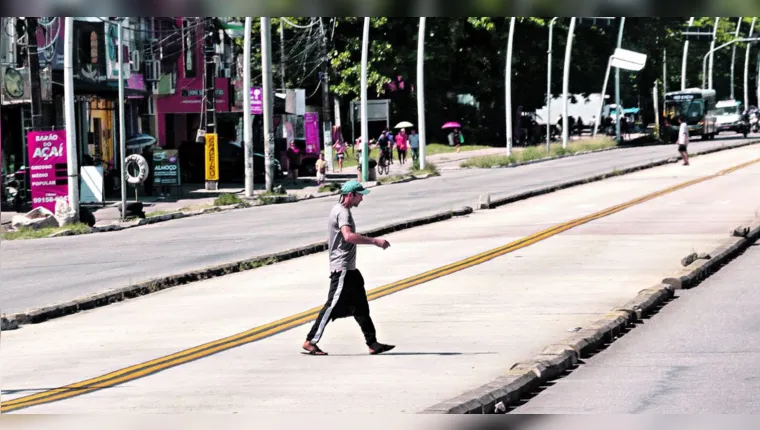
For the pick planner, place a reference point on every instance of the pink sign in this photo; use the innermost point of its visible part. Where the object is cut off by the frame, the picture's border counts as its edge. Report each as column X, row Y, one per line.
column 189, row 96
column 257, row 103
column 48, row 167
column 311, row 132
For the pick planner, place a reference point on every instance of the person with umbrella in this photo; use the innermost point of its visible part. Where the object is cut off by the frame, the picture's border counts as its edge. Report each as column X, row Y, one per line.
column 402, row 141
column 455, row 137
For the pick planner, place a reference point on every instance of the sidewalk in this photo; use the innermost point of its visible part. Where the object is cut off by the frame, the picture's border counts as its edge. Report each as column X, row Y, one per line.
column 195, row 196
column 454, row 333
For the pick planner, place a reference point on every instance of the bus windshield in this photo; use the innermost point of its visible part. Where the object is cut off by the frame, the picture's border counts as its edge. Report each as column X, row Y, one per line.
column 692, row 110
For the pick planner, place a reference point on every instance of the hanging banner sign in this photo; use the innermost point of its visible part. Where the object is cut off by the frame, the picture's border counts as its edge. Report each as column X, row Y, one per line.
column 212, row 158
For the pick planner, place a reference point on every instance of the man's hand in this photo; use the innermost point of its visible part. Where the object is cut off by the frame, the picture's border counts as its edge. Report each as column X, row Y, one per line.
column 381, row 243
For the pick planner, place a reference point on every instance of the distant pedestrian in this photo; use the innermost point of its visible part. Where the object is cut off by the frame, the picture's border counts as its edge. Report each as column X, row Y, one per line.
column 401, row 146
column 321, row 166
column 414, row 142
column 294, row 160
column 340, row 153
column 458, row 139
column 347, row 296
column 683, row 140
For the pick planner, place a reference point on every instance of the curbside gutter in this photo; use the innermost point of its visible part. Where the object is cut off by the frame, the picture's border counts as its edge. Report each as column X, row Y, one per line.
column 527, row 377
column 140, row 289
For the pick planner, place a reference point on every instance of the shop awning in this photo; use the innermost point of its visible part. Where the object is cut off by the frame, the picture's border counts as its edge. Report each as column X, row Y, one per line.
column 101, row 89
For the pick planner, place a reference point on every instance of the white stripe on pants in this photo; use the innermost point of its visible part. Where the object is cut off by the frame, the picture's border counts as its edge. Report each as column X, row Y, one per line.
column 326, row 316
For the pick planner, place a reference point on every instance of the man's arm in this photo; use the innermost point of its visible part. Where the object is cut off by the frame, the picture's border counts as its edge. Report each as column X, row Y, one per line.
column 358, row 239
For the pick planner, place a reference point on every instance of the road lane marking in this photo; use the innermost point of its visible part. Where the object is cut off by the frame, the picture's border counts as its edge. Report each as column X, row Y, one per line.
column 262, row 332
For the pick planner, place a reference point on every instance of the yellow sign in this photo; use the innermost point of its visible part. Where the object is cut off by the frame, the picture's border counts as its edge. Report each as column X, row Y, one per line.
column 212, row 158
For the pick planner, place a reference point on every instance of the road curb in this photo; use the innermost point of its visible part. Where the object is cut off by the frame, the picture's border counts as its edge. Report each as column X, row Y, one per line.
column 561, row 357
column 36, row 316
column 691, row 275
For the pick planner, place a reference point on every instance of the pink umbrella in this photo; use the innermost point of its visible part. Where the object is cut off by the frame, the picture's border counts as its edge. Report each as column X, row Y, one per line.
column 452, row 124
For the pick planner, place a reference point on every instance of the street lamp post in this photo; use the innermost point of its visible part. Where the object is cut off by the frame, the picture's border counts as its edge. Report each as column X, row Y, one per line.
column 549, row 87
column 363, row 90
column 746, row 66
column 685, row 54
column 566, row 82
column 421, row 130
column 508, row 85
column 733, row 55
column 711, row 51
column 247, row 127
column 617, row 83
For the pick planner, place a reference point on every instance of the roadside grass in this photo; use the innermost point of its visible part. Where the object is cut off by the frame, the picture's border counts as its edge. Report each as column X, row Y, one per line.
column 390, row 179
column 329, row 187
column 430, row 149
column 227, row 199
column 430, row 169
column 28, row 233
column 531, row 153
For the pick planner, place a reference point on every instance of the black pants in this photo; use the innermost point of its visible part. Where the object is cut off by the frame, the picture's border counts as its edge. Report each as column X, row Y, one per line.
column 346, row 298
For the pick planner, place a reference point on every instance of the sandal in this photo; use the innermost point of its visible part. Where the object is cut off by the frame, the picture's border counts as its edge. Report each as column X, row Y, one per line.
column 314, row 351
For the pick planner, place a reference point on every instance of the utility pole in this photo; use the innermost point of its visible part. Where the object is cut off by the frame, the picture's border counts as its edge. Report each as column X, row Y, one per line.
column 685, row 54
column 746, row 65
column 282, row 57
column 508, row 85
column 421, row 91
column 655, row 93
column 326, row 114
column 712, row 48
column 566, row 82
column 212, row 182
column 247, row 132
column 122, row 133
column 363, row 91
column 617, row 83
column 34, row 72
column 733, row 55
column 71, row 127
column 266, row 75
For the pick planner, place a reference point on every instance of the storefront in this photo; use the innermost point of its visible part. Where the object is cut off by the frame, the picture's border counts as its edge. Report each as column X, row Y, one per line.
column 180, row 115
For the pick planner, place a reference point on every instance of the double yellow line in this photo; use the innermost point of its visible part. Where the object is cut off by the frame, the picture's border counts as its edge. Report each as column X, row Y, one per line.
column 258, row 333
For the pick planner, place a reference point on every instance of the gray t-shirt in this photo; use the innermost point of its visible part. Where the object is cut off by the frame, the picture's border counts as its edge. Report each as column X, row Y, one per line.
column 342, row 253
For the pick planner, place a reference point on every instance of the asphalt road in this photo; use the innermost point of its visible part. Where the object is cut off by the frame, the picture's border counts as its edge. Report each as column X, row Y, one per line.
column 699, row 355
column 43, row 272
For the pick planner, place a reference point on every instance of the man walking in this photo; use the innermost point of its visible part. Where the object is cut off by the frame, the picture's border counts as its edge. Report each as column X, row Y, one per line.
column 347, row 296
column 683, row 139
column 414, row 141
